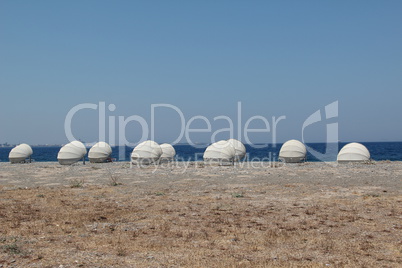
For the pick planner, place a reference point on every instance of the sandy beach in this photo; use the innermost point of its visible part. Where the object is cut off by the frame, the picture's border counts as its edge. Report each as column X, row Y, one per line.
column 189, row 215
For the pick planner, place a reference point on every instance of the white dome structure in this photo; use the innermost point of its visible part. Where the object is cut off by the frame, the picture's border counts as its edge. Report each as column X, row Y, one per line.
column 353, row 152
column 19, row 153
column 293, row 151
column 100, row 152
column 240, row 149
column 146, row 152
column 168, row 152
column 71, row 153
column 222, row 152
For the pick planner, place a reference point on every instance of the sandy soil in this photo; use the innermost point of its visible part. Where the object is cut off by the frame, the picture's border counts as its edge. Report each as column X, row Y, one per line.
column 191, row 215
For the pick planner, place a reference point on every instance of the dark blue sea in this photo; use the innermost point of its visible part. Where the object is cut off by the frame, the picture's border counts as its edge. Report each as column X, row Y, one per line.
column 315, row 152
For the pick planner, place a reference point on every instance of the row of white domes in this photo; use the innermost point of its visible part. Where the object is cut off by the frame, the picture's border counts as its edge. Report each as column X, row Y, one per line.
column 292, row 151
column 225, row 150
column 147, row 151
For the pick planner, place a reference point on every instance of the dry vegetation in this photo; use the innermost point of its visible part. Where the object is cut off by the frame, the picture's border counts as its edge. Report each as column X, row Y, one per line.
column 242, row 226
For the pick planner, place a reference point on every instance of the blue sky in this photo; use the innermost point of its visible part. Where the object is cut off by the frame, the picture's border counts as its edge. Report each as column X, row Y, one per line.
column 278, row 58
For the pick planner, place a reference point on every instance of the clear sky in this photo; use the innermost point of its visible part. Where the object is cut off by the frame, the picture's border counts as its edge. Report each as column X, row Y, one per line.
column 278, row 58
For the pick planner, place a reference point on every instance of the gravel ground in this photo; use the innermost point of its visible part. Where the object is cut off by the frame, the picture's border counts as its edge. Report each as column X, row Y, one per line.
column 384, row 175
column 185, row 214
